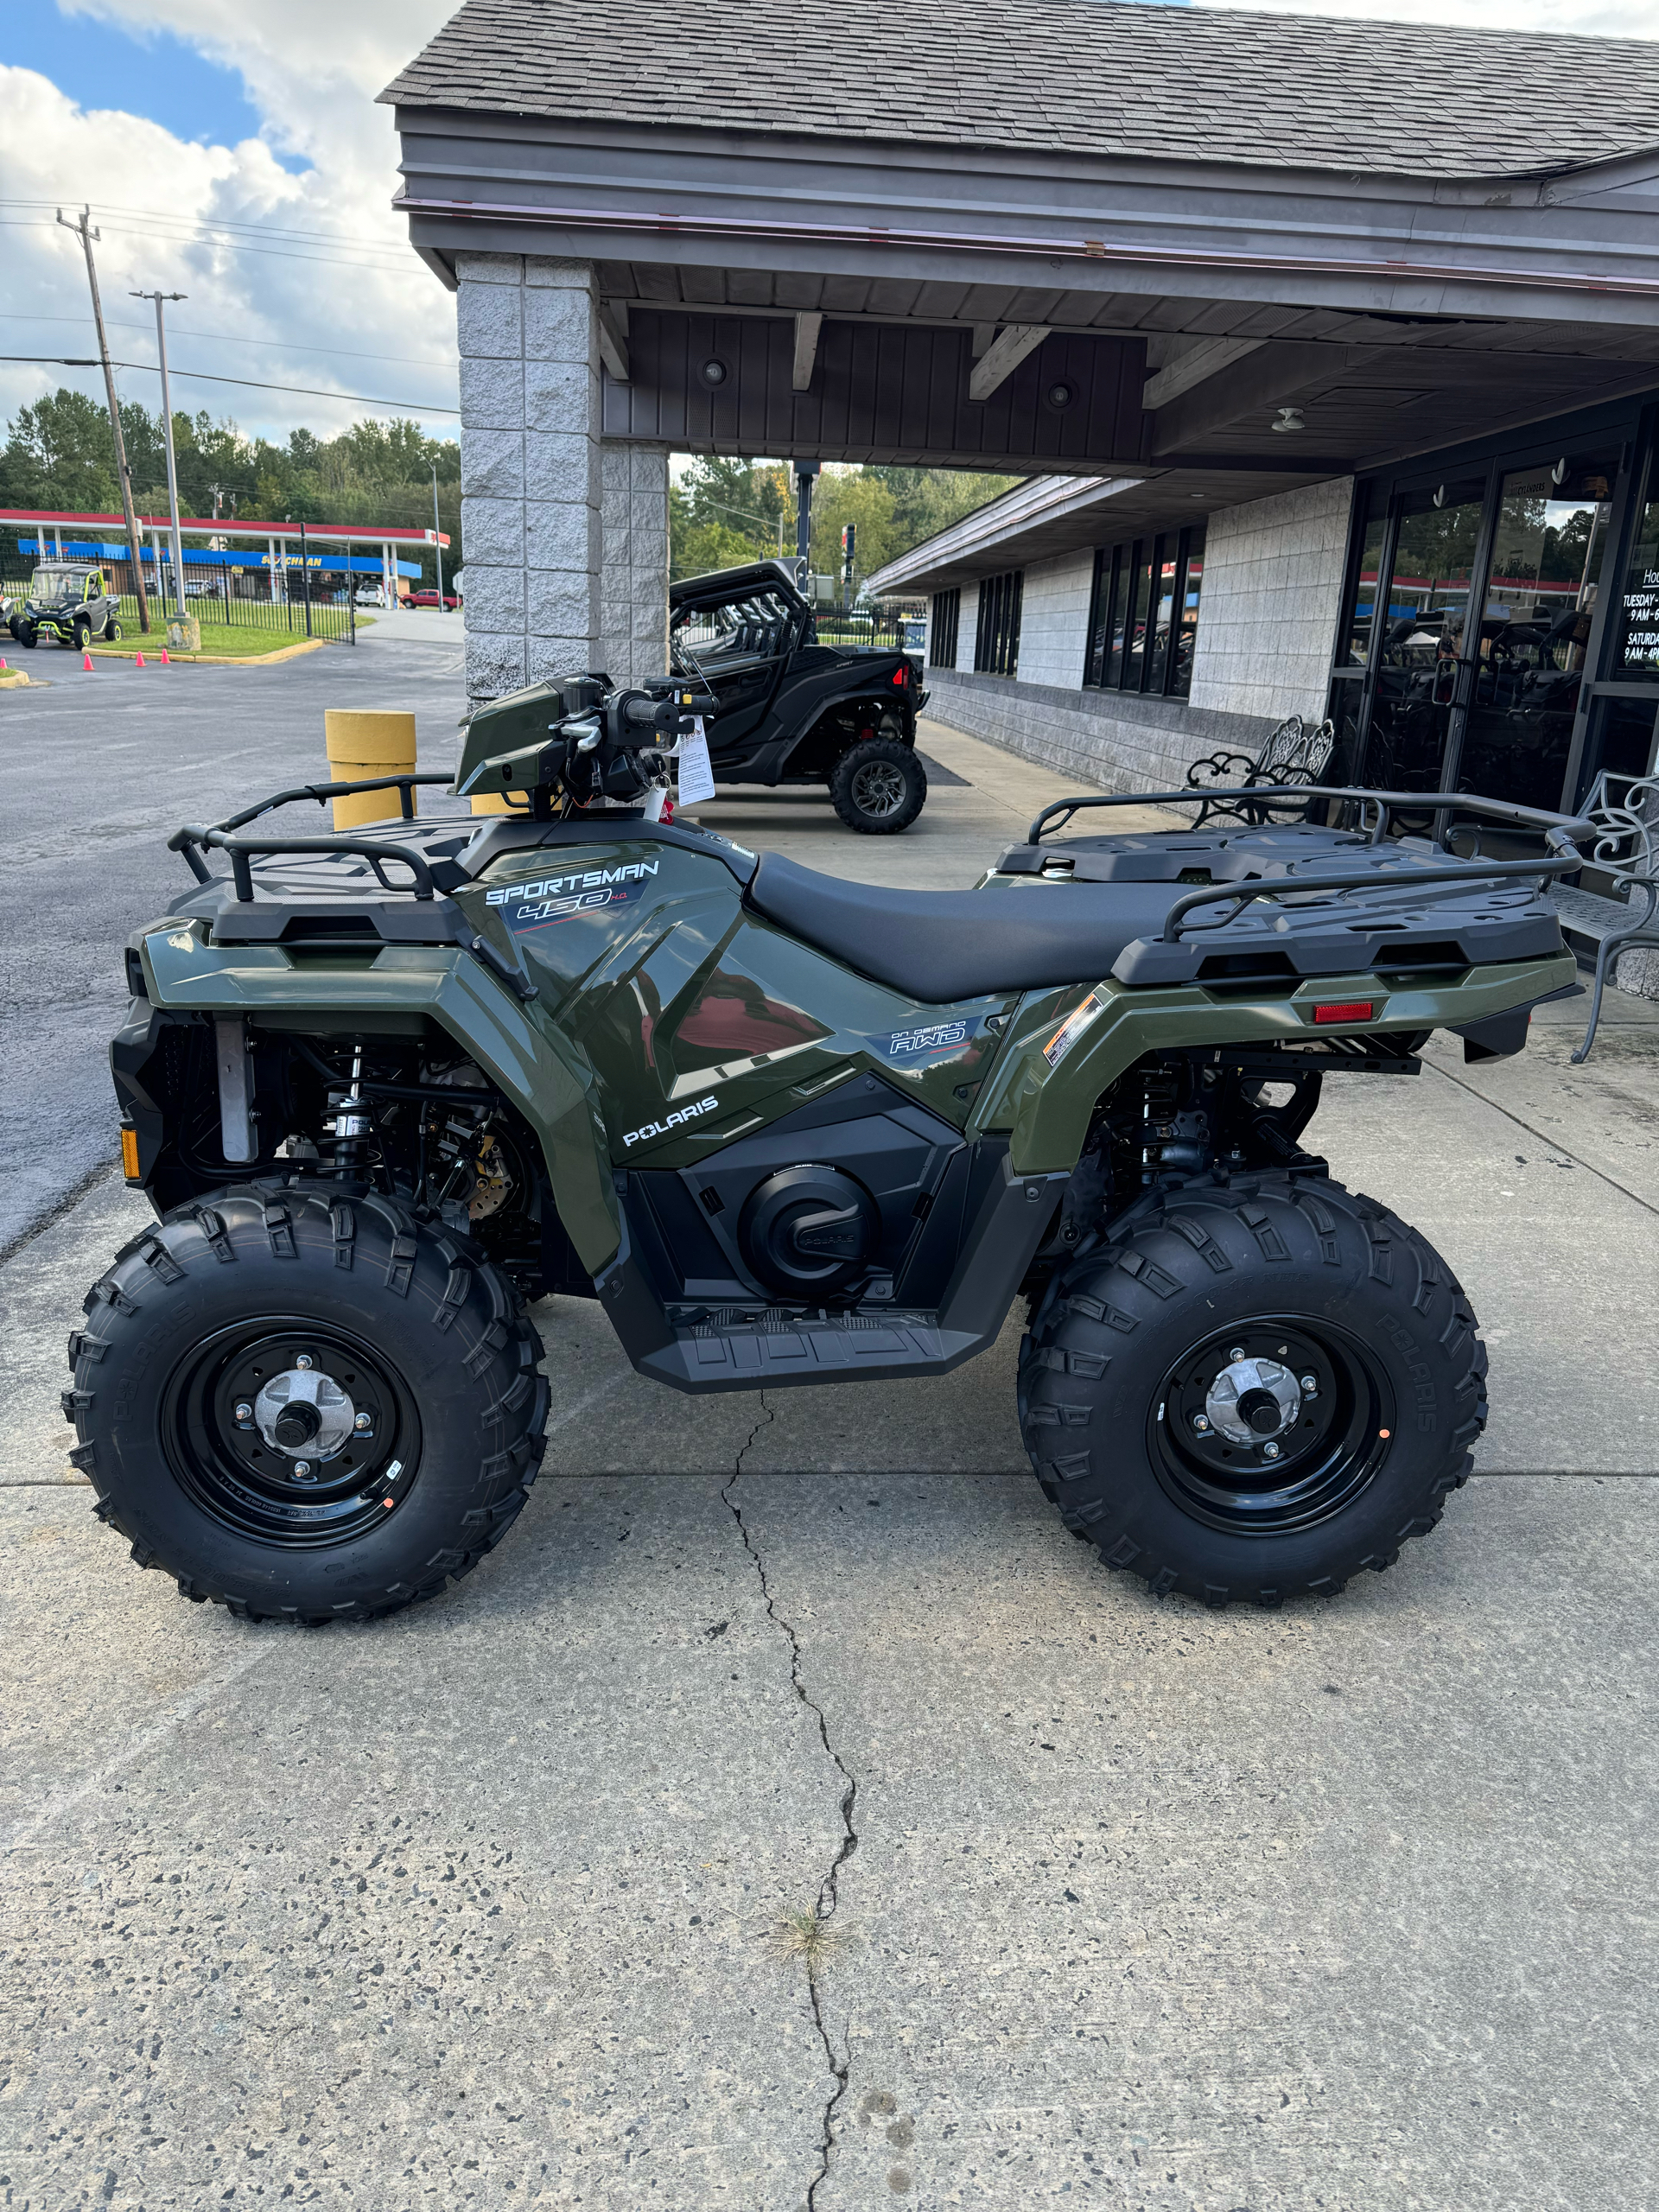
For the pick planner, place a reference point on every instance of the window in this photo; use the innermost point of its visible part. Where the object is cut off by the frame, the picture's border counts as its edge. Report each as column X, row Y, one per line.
column 1636, row 657
column 996, row 638
column 1143, row 617
column 942, row 630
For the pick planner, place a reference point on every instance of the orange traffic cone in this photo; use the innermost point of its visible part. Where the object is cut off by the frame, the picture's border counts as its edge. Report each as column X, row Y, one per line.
column 165, row 662
column 2, row 661
column 139, row 661
column 86, row 660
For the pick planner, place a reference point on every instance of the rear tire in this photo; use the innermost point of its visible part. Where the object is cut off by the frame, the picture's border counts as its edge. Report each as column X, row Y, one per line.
column 878, row 787
column 1121, row 1373
column 422, row 1367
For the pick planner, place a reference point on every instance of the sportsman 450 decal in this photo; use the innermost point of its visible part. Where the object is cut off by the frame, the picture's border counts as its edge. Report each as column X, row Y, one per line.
column 592, row 879
column 671, row 1121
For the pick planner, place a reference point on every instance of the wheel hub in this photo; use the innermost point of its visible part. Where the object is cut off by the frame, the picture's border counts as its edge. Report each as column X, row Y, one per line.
column 1253, row 1399
column 303, row 1414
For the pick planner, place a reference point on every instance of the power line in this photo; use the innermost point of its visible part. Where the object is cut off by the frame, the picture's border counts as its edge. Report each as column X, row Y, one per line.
column 251, row 384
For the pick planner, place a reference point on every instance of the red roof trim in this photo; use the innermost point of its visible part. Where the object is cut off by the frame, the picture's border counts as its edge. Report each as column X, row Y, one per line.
column 224, row 528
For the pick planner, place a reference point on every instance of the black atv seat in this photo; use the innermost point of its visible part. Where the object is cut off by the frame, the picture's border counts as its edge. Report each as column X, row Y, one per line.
column 937, row 946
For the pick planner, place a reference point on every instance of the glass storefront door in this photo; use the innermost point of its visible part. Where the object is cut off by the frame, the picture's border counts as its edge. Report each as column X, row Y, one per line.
column 1423, row 638
column 1533, row 633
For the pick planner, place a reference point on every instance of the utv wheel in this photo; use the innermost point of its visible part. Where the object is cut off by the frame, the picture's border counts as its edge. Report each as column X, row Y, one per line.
column 1257, row 1389
column 879, row 786
column 305, row 1405
column 113, row 632
column 80, row 635
column 29, row 635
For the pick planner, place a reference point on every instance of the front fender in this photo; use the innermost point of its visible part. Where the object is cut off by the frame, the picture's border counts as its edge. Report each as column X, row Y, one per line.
column 518, row 1044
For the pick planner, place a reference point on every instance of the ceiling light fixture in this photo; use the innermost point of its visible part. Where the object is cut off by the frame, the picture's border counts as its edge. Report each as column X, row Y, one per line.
column 1290, row 418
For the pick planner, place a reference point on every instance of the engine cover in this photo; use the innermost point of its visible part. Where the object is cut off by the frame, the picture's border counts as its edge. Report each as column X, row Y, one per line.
column 808, row 1232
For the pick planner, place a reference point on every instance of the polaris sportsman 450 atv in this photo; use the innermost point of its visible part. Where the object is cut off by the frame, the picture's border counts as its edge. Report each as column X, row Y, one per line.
column 382, row 1089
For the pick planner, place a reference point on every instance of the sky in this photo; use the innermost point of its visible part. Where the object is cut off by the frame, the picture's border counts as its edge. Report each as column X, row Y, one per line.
column 238, row 157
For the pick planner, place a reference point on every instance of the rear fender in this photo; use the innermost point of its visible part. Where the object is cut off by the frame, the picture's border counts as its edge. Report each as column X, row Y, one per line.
column 1066, row 1048
column 405, row 988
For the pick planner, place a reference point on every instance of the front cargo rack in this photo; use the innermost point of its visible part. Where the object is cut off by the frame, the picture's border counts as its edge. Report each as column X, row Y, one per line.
column 192, row 838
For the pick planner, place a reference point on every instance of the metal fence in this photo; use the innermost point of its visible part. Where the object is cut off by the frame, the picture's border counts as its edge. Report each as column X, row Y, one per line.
column 299, row 604
column 887, row 630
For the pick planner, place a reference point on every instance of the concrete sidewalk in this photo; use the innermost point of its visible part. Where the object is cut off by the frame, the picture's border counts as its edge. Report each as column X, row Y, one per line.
column 499, row 1901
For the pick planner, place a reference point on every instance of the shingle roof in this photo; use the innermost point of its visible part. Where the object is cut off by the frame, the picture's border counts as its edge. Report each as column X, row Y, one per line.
column 1100, row 77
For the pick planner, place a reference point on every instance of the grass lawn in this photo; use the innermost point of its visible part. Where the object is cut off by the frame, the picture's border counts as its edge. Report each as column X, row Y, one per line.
column 232, row 640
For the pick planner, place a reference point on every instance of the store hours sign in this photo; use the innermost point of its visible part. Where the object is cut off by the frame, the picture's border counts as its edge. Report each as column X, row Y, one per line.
column 1638, row 639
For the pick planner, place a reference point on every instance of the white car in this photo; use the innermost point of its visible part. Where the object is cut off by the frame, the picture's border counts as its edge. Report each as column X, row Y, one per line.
column 369, row 595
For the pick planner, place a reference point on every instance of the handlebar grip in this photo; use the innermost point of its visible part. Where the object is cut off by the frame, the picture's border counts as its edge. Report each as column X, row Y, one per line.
column 640, row 710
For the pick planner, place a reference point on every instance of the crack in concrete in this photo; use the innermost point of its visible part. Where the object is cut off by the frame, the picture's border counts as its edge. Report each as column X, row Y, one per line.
column 829, row 1889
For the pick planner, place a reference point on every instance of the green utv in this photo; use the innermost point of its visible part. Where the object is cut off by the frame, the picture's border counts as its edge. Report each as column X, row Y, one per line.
column 382, row 1088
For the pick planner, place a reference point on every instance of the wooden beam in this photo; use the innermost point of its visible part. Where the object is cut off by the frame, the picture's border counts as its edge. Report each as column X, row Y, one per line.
column 1200, row 360
column 983, row 334
column 807, row 327
column 613, row 341
column 1002, row 358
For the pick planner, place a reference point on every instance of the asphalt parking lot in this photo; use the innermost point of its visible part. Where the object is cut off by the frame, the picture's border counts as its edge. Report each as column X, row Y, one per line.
column 501, row 1901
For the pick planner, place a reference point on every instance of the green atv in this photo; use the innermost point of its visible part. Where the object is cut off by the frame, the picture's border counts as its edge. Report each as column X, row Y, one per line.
column 70, row 602
column 382, row 1088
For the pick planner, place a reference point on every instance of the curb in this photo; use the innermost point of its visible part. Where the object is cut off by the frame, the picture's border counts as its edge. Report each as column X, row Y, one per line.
column 215, row 660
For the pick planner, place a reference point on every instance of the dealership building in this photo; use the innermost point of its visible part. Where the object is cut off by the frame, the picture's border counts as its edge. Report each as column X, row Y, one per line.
column 1327, row 352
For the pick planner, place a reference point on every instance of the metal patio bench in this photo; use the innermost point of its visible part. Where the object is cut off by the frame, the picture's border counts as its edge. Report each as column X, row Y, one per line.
column 1297, row 752
column 1627, row 849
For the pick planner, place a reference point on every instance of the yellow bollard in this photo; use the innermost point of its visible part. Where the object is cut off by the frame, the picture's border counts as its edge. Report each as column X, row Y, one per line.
column 493, row 803
column 362, row 743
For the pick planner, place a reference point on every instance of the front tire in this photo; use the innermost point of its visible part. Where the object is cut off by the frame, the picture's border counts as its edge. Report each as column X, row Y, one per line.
column 306, row 1404
column 878, row 787
column 1258, row 1388
column 28, row 635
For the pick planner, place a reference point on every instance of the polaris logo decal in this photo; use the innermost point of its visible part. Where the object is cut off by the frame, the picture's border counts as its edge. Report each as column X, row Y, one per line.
column 904, row 1044
column 592, row 879
column 670, row 1122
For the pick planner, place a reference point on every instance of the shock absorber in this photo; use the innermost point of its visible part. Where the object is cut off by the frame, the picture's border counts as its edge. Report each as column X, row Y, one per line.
column 351, row 1120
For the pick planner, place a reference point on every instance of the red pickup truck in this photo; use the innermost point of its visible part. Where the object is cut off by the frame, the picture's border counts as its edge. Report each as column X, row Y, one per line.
column 430, row 598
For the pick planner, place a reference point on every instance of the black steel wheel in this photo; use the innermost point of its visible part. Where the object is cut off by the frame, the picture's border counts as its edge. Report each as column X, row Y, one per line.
column 1255, row 1389
column 304, row 1403
column 1275, row 1426
column 878, row 787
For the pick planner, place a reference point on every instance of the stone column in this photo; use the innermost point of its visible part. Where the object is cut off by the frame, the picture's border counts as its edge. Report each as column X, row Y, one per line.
column 529, row 468
column 633, row 586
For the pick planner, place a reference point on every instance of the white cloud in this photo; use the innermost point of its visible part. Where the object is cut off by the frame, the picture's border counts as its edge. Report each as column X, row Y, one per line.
column 353, row 287
column 1599, row 18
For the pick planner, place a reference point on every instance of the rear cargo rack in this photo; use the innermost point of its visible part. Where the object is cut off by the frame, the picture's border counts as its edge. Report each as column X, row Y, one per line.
column 1376, row 810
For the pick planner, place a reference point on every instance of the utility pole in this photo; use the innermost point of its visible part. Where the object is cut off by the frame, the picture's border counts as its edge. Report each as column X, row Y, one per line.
column 436, row 527
column 172, row 465
column 84, row 230
column 804, row 472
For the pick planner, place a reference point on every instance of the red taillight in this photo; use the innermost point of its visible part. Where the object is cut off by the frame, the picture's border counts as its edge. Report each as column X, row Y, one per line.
column 1344, row 1010
column 901, row 676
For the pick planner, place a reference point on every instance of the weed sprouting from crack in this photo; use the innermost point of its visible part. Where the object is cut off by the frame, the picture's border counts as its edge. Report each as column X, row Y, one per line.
column 808, row 1935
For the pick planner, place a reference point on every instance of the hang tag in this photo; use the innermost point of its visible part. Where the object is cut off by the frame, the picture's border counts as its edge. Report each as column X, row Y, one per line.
column 656, row 799
column 696, row 774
